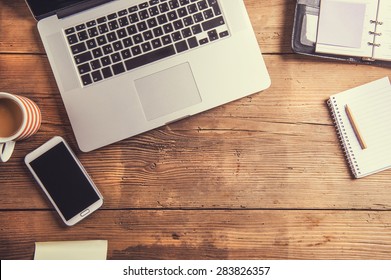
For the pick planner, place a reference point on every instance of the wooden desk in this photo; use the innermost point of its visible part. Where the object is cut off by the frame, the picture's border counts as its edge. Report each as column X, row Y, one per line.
column 260, row 178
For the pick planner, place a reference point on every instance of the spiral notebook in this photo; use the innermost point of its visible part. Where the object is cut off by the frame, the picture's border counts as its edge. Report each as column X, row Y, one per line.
column 360, row 28
column 371, row 106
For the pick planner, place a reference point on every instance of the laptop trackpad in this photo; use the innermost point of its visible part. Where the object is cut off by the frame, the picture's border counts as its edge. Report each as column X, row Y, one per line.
column 167, row 91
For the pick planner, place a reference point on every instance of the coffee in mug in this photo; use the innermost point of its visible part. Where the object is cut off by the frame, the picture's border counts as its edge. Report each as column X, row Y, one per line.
column 20, row 118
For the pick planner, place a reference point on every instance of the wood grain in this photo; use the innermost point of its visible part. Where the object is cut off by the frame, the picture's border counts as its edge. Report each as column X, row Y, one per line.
column 225, row 234
column 263, row 177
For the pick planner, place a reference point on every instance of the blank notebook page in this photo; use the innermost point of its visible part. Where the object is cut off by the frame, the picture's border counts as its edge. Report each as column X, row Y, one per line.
column 371, row 108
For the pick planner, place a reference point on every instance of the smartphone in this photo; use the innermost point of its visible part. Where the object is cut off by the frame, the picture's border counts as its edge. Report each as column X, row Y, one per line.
column 64, row 180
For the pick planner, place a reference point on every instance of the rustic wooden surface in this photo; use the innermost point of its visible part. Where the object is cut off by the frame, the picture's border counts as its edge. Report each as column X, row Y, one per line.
column 260, row 178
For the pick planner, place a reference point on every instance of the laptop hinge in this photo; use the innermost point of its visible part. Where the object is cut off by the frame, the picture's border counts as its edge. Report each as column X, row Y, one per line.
column 77, row 8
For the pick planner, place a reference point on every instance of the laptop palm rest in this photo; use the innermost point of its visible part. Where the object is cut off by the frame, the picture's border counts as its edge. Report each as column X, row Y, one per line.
column 167, row 91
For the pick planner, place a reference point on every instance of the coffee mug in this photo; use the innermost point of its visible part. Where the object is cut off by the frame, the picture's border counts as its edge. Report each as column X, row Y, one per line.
column 20, row 118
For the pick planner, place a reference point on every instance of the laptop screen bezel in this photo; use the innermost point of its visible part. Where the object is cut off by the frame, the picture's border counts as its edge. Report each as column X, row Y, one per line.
column 44, row 8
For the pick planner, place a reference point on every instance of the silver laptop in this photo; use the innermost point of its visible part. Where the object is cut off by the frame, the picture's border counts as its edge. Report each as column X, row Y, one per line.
column 124, row 67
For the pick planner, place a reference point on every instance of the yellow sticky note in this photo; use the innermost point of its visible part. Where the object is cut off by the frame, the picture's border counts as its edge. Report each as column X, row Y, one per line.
column 71, row 250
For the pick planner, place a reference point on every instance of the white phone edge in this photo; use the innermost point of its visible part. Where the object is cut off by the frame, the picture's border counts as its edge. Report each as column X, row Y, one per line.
column 43, row 149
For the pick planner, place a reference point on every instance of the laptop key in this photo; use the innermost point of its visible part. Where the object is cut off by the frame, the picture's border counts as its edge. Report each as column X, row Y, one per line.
column 118, row 68
column 113, row 25
column 158, row 31
column 196, row 29
column 192, row 42
column 84, row 68
column 213, row 23
column 111, row 36
column 215, row 6
column 192, row 9
column 84, row 57
column 202, row 5
column 93, row 32
column 143, row 5
column 105, row 60
column 91, row 44
column 107, row 72
column 122, row 33
column 80, row 27
column 153, row 11
column 72, row 39
column 146, row 47
column 112, row 16
column 123, row 21
column 156, row 43
column 69, row 30
column 198, row 17
column 96, row 76
column 103, row 28
column 126, row 54
column 176, row 36
column 133, row 9
column 172, row 15
column 181, row 46
column 204, row 41
column 213, row 35
column 208, row 14
column 143, row 14
column 166, row 39
column 107, row 49
column 82, row 35
column 86, row 79
column 101, row 40
column 149, row 57
column 163, row 7
column 127, row 42
column 122, row 13
column 78, row 48
column 97, row 52
column 91, row 23
column 117, row 46
column 186, row 32
column 188, row 21
column 115, row 57
column 95, row 64
column 223, row 34
column 174, row 4
column 136, row 50
column 133, row 18
column 101, row 20
column 131, row 29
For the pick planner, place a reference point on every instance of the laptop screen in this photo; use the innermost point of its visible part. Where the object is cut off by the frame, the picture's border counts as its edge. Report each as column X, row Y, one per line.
column 41, row 8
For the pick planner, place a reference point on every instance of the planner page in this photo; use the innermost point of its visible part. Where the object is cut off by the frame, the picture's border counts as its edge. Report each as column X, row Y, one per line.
column 383, row 52
column 344, row 27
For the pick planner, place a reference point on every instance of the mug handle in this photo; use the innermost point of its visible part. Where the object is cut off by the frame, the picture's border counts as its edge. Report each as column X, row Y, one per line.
column 6, row 150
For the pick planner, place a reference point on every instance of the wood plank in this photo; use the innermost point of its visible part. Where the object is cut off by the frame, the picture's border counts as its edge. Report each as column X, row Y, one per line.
column 209, row 234
column 269, row 18
column 279, row 146
column 295, row 96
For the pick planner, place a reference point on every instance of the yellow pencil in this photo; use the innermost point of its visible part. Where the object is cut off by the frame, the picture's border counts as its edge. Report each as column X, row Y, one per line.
column 355, row 127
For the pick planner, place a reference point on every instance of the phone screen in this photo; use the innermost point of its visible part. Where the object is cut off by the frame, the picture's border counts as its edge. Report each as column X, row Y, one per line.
column 64, row 180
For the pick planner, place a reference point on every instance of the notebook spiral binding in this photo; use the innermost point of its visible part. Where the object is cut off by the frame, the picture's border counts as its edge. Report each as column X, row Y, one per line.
column 343, row 138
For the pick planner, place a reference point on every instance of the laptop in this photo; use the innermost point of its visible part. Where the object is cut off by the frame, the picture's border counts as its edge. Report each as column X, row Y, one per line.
column 124, row 67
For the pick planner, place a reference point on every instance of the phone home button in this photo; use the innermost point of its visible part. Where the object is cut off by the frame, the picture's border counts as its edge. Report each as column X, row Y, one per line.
column 85, row 212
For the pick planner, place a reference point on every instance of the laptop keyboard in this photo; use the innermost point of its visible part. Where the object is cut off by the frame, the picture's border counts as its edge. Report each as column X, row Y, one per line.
column 153, row 30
